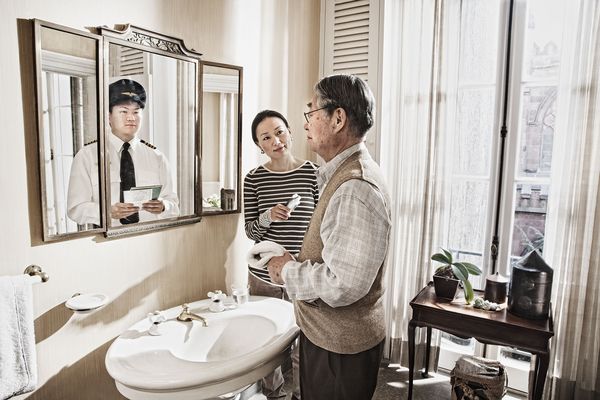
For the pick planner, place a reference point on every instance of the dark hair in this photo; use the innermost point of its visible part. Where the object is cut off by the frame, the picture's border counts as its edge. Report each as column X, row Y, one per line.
column 262, row 116
column 353, row 95
column 125, row 91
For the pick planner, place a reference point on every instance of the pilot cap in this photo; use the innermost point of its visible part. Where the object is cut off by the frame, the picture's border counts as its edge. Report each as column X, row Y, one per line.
column 124, row 91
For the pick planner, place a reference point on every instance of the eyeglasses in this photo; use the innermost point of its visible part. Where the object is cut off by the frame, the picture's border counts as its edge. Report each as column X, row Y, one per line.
column 307, row 114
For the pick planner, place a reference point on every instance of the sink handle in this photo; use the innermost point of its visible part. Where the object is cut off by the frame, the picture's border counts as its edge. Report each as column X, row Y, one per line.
column 155, row 319
column 216, row 295
column 186, row 307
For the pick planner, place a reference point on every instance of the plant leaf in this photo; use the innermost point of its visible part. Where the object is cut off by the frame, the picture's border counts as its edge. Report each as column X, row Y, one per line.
column 468, row 289
column 448, row 255
column 458, row 273
column 463, row 270
column 439, row 257
column 472, row 268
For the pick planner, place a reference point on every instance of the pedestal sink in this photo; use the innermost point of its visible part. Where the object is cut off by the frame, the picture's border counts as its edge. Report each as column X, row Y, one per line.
column 191, row 361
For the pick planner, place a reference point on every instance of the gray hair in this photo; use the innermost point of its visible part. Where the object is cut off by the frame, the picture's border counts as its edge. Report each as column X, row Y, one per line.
column 353, row 95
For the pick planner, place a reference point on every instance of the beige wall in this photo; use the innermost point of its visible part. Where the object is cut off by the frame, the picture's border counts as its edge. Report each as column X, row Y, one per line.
column 277, row 44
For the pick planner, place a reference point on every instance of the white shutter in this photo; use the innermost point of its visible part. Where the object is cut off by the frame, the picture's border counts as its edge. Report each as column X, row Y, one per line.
column 350, row 45
column 131, row 62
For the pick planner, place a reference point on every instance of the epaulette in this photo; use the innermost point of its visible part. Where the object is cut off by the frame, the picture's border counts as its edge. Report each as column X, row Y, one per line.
column 93, row 141
column 148, row 144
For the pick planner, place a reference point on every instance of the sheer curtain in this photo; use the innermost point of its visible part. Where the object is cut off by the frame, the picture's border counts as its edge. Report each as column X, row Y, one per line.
column 227, row 139
column 418, row 117
column 573, row 236
column 412, row 118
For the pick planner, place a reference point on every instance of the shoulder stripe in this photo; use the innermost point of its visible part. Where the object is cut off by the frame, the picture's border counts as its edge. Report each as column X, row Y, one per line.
column 148, row 144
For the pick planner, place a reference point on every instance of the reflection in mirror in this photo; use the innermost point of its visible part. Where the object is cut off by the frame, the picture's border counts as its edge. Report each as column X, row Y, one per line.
column 221, row 126
column 67, row 103
column 152, row 111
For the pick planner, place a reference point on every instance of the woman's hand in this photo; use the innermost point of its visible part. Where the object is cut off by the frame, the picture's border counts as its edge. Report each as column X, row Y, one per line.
column 280, row 213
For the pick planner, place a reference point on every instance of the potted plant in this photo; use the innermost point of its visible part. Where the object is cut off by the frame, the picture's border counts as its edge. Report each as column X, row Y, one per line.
column 447, row 276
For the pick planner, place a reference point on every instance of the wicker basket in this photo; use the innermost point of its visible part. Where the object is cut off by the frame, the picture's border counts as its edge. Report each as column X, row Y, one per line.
column 476, row 378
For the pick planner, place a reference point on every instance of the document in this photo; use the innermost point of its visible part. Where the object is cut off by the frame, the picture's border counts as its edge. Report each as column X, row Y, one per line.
column 141, row 194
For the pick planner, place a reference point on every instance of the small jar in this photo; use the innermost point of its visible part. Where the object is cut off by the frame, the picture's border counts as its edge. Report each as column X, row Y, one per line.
column 496, row 287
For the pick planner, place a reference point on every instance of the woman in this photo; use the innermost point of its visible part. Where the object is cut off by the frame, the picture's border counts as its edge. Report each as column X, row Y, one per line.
column 267, row 190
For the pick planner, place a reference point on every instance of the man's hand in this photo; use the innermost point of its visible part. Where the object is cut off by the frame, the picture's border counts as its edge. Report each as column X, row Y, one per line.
column 275, row 265
column 122, row 210
column 153, row 206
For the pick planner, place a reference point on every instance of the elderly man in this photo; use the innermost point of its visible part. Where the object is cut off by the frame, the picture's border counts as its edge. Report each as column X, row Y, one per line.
column 336, row 280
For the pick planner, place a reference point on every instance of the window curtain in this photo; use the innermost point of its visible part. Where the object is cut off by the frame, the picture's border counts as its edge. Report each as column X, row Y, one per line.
column 573, row 237
column 413, row 121
column 185, row 155
column 418, row 108
column 227, row 140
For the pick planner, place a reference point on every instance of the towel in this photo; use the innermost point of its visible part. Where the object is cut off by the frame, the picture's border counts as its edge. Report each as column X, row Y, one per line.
column 18, row 369
column 258, row 257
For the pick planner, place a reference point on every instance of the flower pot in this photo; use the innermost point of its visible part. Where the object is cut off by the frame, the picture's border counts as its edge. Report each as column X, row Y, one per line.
column 445, row 287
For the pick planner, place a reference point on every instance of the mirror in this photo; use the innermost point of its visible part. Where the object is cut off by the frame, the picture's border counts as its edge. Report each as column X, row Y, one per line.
column 151, row 104
column 221, row 138
column 119, row 131
column 68, row 116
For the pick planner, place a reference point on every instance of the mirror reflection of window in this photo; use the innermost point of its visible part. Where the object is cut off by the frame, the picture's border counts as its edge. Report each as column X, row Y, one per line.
column 69, row 120
column 220, row 100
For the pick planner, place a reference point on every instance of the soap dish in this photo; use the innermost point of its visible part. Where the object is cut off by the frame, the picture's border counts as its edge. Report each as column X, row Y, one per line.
column 86, row 302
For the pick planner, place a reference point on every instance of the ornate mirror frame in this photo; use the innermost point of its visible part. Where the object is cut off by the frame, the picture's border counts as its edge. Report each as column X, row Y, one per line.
column 151, row 45
column 93, row 136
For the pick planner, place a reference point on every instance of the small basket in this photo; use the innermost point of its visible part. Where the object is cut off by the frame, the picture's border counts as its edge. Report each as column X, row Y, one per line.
column 477, row 378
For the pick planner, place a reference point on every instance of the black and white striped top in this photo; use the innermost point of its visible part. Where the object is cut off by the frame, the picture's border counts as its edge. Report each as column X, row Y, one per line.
column 264, row 189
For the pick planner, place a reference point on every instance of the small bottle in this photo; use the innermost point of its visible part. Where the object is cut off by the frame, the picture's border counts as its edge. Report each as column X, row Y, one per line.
column 294, row 202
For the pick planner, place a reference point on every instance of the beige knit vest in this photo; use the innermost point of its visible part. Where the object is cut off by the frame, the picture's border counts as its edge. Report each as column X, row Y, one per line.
column 360, row 325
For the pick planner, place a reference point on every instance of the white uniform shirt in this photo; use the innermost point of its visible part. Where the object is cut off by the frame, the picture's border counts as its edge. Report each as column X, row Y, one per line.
column 151, row 168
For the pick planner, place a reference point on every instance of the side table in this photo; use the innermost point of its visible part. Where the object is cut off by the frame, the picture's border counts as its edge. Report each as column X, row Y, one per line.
column 490, row 327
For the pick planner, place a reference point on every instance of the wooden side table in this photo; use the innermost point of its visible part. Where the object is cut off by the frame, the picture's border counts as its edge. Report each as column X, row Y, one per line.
column 490, row 327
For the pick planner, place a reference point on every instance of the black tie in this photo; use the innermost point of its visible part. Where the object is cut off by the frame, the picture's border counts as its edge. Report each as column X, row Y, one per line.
column 127, row 180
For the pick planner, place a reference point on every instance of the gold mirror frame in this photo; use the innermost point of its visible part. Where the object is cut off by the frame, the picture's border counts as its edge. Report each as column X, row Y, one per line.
column 153, row 45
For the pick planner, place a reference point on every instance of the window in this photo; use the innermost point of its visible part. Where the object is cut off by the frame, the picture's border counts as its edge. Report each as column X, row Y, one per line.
column 538, row 89
column 536, row 38
column 68, row 87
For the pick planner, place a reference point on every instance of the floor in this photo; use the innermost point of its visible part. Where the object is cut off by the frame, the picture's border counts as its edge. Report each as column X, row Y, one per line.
column 393, row 384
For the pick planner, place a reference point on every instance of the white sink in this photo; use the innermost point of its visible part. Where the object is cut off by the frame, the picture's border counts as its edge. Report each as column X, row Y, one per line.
column 191, row 361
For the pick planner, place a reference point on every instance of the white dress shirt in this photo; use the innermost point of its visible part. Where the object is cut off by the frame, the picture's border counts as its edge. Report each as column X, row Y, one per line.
column 151, row 168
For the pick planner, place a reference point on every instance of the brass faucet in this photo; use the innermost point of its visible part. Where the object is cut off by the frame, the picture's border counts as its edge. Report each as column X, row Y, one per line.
column 187, row 316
